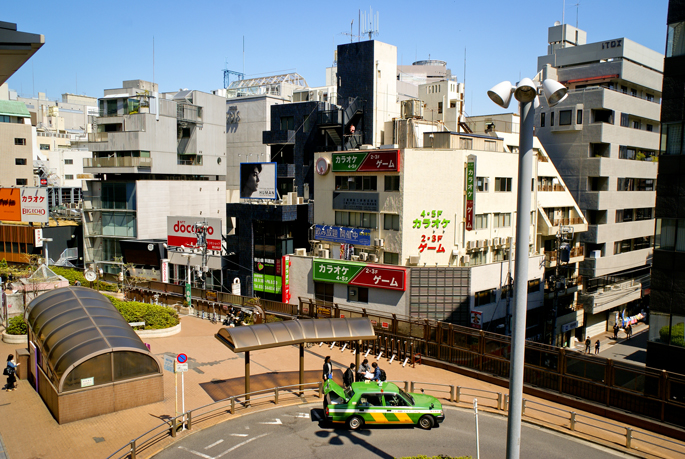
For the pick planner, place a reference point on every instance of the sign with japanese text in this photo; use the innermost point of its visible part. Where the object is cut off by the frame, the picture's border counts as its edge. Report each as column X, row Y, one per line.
column 470, row 191
column 266, row 283
column 343, row 235
column 10, row 204
column 34, row 205
column 431, row 219
column 181, row 232
column 477, row 319
column 371, row 161
column 165, row 270
column 286, row 278
column 365, row 202
column 359, row 274
column 38, row 237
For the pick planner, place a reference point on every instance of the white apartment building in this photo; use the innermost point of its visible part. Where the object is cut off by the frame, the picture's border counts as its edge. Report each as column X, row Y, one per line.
column 603, row 140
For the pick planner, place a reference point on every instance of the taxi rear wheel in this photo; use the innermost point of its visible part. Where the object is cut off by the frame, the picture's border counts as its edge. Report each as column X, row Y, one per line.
column 426, row 422
column 355, row 423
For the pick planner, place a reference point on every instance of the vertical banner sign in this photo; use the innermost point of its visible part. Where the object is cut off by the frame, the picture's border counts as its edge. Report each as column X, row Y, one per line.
column 165, row 270
column 188, row 295
column 470, row 191
column 38, row 237
column 286, row 279
column 477, row 319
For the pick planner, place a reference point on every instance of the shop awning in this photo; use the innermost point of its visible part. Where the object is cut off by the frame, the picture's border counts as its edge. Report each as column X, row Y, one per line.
column 277, row 334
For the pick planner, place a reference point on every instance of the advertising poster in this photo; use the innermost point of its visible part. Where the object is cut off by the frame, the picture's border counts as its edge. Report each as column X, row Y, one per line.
column 470, row 192
column 34, row 205
column 181, row 232
column 359, row 274
column 258, row 181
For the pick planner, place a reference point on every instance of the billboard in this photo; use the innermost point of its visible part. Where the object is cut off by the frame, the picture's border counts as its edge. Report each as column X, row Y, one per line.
column 26, row 204
column 343, row 234
column 470, row 191
column 359, row 274
column 372, row 161
column 258, row 180
column 181, row 232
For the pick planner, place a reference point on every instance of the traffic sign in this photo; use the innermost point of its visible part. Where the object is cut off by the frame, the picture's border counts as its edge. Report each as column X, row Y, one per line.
column 181, row 367
column 169, row 362
column 182, row 358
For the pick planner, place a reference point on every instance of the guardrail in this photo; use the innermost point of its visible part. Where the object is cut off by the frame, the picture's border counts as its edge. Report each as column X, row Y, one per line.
column 569, row 419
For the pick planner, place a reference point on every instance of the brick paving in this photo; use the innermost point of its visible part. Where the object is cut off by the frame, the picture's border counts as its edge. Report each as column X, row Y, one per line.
column 29, row 431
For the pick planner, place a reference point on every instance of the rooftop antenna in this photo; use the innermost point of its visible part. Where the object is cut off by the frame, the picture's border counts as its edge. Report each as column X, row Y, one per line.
column 153, row 61
column 563, row 13
column 351, row 34
column 371, row 24
column 577, row 5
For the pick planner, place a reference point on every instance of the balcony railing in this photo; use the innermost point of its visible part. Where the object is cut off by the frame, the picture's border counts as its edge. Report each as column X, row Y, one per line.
column 98, row 136
column 555, row 187
column 128, row 161
column 197, row 161
column 567, row 221
column 330, row 118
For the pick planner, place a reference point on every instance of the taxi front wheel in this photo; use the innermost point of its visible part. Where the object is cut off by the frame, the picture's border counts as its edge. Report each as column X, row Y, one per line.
column 426, row 422
column 355, row 423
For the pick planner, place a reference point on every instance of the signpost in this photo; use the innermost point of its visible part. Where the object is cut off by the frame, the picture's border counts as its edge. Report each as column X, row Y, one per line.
column 181, row 367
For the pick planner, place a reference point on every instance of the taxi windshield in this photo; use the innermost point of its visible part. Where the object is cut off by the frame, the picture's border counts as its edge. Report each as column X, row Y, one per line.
column 408, row 397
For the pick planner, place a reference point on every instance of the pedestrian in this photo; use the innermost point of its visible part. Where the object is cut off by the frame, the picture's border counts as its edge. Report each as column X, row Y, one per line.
column 10, row 372
column 376, row 372
column 597, row 347
column 327, row 368
column 588, row 343
column 615, row 331
column 363, row 369
column 629, row 330
column 348, row 377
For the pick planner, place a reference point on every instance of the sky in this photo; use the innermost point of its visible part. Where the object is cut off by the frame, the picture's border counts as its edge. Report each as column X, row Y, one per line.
column 93, row 46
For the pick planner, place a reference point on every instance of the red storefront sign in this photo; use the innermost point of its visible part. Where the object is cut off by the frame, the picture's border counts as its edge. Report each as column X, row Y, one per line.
column 469, row 215
column 381, row 277
column 381, row 161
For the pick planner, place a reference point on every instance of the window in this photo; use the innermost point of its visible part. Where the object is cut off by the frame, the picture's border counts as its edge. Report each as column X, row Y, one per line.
column 356, row 219
column 481, row 221
column 650, row 128
column 18, row 141
column 579, row 117
column 287, row 123
column 675, row 41
column 628, row 245
column 323, row 291
column 68, row 161
column 391, row 258
column 633, row 92
column 670, row 234
column 551, row 118
column 501, row 220
column 357, row 294
column 356, row 183
column 439, row 107
column 44, row 146
column 626, row 152
column 625, row 121
column 5, row 119
column 68, row 177
column 565, row 117
column 486, row 297
column 482, row 184
column 533, row 285
column 649, row 97
column 674, row 138
column 20, row 161
column 502, row 183
column 624, row 89
column 490, row 145
column 637, row 125
column 392, row 183
column 500, row 255
column 22, row 181
column 542, row 120
column 391, row 222
column 465, row 144
column 635, row 184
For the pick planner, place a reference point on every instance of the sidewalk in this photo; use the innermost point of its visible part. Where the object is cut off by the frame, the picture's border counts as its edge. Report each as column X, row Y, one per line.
column 29, row 431
column 606, row 339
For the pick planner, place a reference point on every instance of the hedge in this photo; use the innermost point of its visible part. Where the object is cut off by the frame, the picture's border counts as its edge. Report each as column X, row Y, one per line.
column 155, row 317
column 17, row 326
column 677, row 334
column 73, row 275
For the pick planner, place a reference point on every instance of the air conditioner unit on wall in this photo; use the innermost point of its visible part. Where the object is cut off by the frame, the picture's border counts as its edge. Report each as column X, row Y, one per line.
column 414, row 259
column 325, row 253
column 373, row 258
column 495, row 241
column 363, row 256
column 301, row 252
column 509, row 239
column 381, row 242
column 467, row 259
column 319, row 247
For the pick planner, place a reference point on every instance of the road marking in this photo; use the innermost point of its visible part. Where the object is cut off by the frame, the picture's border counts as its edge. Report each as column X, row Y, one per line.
column 238, row 435
column 214, row 444
column 276, row 422
column 239, row 445
column 196, row 453
column 301, row 415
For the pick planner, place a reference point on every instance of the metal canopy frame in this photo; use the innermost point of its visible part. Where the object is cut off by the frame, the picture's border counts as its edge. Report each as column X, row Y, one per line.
column 292, row 78
column 287, row 333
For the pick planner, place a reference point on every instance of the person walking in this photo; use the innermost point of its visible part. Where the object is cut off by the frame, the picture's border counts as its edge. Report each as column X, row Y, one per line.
column 588, row 343
column 629, row 331
column 348, row 377
column 376, row 372
column 615, row 331
column 363, row 369
column 327, row 368
column 596, row 347
column 10, row 372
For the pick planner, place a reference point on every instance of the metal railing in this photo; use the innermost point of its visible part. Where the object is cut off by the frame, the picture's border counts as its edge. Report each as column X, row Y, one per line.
column 127, row 161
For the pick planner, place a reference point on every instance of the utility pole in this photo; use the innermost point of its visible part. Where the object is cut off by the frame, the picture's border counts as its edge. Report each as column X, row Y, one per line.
column 201, row 235
column 563, row 252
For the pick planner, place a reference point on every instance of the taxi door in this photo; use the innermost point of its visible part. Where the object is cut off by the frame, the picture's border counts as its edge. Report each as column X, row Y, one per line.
column 398, row 410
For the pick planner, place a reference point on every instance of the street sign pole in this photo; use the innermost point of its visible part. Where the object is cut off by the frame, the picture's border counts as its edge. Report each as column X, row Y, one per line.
column 182, row 366
column 183, row 399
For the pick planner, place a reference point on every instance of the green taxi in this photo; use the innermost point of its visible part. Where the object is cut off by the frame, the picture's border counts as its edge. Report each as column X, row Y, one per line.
column 369, row 402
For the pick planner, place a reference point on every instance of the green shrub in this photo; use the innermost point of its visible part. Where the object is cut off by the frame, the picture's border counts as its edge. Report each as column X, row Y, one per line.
column 677, row 334
column 441, row 456
column 155, row 317
column 17, row 326
column 73, row 275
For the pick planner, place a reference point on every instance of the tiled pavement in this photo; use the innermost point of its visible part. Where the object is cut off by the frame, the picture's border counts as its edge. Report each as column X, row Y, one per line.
column 29, row 431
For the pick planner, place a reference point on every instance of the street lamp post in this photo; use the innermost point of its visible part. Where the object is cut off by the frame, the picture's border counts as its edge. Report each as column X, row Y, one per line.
column 525, row 92
column 45, row 244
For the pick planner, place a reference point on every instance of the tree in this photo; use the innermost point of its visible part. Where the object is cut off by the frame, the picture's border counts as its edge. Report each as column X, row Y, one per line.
column 128, row 278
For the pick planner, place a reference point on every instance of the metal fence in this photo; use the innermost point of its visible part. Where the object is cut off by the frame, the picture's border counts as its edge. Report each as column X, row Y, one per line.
column 654, row 396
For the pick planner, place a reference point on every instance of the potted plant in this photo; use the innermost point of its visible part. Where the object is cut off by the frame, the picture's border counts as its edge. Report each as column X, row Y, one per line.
column 16, row 331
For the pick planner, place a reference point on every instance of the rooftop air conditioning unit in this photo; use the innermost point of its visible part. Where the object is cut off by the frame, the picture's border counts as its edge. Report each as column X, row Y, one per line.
column 414, row 259
column 355, row 257
column 301, row 252
column 325, row 253
column 373, row 258
column 363, row 256
column 319, row 247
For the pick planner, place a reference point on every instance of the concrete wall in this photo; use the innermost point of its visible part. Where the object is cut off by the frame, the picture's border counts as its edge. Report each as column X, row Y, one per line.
column 9, row 171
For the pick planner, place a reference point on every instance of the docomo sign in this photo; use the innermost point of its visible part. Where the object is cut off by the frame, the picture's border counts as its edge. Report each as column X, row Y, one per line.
column 181, row 232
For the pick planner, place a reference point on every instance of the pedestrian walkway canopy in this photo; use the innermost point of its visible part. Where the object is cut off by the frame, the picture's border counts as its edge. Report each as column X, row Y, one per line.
column 277, row 334
column 80, row 342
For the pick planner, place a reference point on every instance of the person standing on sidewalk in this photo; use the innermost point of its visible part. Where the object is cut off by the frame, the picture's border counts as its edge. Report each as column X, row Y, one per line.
column 615, row 331
column 629, row 331
column 348, row 377
column 10, row 372
column 327, row 368
column 596, row 347
column 363, row 369
column 588, row 343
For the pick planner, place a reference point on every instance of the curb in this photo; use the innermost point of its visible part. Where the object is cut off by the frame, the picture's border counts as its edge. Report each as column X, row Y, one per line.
column 156, row 333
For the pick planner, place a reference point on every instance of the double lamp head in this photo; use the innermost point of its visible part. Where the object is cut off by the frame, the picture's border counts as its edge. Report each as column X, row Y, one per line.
column 527, row 91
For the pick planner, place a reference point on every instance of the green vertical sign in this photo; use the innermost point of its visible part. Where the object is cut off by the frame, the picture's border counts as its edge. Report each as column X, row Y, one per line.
column 188, row 295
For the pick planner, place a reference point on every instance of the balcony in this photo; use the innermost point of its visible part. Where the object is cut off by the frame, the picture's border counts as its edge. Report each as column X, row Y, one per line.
column 568, row 287
column 555, row 187
column 98, row 136
column 550, row 228
column 613, row 295
column 330, row 118
column 577, row 255
column 278, row 137
column 116, row 164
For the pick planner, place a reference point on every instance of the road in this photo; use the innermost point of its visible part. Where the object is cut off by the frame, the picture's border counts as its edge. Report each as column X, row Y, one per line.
column 633, row 350
column 296, row 431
